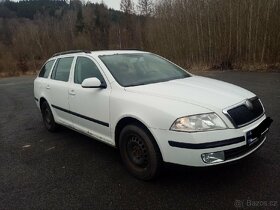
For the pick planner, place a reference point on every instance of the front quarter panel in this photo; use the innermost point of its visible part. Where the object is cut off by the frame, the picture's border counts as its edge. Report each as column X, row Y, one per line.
column 154, row 112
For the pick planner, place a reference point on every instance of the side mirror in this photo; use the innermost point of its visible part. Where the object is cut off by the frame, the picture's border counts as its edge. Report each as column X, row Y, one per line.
column 93, row 82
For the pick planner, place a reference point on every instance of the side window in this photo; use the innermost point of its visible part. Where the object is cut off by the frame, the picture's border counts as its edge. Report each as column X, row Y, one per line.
column 86, row 68
column 62, row 69
column 45, row 71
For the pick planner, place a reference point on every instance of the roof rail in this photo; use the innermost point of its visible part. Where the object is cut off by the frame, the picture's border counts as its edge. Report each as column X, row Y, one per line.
column 70, row 52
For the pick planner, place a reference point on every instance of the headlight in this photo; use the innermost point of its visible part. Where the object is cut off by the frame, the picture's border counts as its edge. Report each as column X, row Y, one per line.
column 200, row 122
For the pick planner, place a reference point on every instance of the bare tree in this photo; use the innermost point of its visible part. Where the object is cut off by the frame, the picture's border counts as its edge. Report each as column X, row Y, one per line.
column 127, row 6
column 145, row 7
column 193, row 33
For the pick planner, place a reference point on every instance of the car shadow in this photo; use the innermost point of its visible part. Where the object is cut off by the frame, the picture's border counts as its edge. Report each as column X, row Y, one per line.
column 171, row 174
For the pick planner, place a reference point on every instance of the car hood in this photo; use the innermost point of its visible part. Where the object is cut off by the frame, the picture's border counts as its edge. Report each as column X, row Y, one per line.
column 201, row 91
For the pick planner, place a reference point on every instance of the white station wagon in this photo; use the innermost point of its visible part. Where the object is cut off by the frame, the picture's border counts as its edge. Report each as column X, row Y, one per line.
column 152, row 110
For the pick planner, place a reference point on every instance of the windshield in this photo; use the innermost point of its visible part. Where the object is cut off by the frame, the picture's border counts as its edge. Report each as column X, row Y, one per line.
column 141, row 68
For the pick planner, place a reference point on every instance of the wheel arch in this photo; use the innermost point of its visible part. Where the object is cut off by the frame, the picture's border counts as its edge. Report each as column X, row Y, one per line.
column 42, row 100
column 126, row 120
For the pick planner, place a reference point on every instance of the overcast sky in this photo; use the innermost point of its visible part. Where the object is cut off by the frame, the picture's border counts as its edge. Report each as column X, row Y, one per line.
column 115, row 4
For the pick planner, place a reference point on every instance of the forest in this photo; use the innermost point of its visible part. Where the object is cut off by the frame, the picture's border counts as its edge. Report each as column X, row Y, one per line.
column 196, row 34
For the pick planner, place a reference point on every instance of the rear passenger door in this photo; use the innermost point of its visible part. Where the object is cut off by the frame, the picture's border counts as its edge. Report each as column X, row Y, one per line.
column 41, row 81
column 58, row 86
column 90, row 106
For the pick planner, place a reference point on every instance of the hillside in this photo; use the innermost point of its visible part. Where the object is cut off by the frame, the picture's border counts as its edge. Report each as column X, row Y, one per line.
column 198, row 34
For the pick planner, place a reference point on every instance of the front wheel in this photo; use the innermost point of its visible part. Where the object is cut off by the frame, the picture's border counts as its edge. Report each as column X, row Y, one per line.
column 48, row 117
column 139, row 152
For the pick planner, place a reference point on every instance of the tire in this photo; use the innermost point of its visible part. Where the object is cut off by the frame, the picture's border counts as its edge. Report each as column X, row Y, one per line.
column 48, row 118
column 139, row 152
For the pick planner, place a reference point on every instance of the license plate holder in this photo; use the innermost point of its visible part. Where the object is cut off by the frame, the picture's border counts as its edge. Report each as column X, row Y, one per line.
column 258, row 133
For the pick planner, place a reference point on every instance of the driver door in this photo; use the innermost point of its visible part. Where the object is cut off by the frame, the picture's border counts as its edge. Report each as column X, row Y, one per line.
column 89, row 106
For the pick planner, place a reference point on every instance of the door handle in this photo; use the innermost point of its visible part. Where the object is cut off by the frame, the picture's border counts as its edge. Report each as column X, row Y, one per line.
column 72, row 92
column 48, row 87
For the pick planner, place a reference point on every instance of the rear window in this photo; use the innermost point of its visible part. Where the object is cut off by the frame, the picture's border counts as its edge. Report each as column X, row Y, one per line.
column 62, row 69
column 45, row 71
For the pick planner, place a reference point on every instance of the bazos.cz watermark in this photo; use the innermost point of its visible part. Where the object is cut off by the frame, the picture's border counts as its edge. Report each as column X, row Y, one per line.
column 254, row 203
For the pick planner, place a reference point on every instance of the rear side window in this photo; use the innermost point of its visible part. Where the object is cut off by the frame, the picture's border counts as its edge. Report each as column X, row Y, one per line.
column 62, row 69
column 86, row 68
column 45, row 71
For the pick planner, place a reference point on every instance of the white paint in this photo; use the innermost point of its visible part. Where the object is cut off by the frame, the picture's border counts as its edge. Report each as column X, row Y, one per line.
column 157, row 106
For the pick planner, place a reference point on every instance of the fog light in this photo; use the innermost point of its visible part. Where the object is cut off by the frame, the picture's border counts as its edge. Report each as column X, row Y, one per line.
column 213, row 157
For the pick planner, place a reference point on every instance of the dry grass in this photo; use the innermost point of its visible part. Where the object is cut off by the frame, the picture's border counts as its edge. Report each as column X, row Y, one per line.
column 17, row 74
column 243, row 67
column 193, row 68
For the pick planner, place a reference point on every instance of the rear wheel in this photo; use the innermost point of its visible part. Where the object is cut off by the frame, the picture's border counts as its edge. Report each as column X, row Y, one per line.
column 48, row 117
column 139, row 152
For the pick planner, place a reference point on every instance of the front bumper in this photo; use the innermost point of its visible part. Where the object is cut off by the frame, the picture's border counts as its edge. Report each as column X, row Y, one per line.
column 187, row 148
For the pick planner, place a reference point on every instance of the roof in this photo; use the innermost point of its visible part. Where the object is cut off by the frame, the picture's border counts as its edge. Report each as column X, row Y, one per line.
column 113, row 52
column 97, row 53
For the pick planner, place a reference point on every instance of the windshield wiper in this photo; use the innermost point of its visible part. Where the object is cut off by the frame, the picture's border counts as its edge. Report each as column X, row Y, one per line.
column 132, row 85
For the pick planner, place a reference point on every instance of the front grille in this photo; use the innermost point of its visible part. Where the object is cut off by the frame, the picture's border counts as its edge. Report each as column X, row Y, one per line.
column 246, row 112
